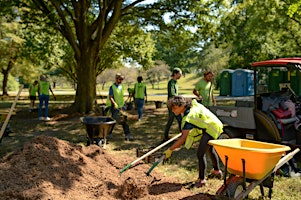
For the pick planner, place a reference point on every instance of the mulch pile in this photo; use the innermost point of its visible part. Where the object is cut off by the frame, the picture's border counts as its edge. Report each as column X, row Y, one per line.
column 50, row 168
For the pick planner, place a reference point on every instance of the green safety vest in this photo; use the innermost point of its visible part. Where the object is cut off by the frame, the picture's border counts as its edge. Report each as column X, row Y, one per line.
column 139, row 90
column 118, row 97
column 33, row 89
column 203, row 118
column 44, row 87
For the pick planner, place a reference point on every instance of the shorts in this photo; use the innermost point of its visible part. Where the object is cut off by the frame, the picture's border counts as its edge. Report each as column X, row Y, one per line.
column 32, row 97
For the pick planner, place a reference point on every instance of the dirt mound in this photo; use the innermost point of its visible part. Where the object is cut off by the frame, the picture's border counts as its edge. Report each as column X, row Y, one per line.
column 49, row 168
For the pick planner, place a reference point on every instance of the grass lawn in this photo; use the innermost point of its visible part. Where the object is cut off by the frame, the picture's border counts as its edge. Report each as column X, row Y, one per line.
column 148, row 133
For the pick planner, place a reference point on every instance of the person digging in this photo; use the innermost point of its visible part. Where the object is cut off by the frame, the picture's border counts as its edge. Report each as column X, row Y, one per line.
column 198, row 124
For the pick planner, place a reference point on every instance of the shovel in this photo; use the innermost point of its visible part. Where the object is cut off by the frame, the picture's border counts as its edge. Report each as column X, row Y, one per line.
column 155, row 165
column 149, row 153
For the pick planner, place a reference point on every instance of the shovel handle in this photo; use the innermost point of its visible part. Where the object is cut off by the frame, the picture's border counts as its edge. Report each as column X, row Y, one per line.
column 155, row 165
column 125, row 168
column 149, row 153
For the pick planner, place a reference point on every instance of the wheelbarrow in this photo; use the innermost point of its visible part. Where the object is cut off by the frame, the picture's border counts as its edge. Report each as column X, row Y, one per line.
column 249, row 161
column 97, row 128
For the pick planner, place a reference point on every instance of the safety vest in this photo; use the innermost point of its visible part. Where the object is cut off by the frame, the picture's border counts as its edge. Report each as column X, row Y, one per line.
column 204, row 119
column 118, row 96
column 44, row 87
column 33, row 89
column 139, row 90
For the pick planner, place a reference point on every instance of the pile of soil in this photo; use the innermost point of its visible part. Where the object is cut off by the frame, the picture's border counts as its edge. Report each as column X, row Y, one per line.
column 50, row 168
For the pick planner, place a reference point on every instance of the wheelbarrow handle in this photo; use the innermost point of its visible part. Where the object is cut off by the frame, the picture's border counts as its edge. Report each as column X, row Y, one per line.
column 285, row 159
column 155, row 165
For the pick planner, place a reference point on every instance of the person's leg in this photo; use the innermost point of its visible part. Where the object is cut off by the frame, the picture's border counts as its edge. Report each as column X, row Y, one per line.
column 40, row 106
column 46, row 98
column 126, row 130
column 142, row 105
column 114, row 115
column 214, row 158
column 169, row 123
column 139, row 103
column 201, row 151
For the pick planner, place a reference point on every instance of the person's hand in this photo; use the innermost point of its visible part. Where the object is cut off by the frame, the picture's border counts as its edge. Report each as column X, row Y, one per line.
column 115, row 105
column 145, row 100
column 167, row 153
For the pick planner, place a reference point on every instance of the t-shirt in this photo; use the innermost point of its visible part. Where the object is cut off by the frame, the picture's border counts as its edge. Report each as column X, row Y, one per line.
column 172, row 88
column 44, row 87
column 33, row 89
column 203, row 88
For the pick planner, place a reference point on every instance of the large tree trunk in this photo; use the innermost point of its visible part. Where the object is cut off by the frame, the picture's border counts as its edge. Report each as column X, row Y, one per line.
column 86, row 85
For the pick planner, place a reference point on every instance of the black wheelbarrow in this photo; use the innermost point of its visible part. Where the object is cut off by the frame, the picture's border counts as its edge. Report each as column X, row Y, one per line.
column 97, row 128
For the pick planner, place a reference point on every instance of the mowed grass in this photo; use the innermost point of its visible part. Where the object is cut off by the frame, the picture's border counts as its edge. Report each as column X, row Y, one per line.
column 183, row 164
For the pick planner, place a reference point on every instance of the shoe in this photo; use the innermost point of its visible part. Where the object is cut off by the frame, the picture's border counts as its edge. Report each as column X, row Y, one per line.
column 166, row 139
column 200, row 183
column 41, row 118
column 139, row 120
column 47, row 119
column 295, row 174
column 215, row 174
column 129, row 138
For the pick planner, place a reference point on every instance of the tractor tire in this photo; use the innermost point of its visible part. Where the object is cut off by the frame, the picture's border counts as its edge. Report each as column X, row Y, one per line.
column 231, row 132
column 224, row 136
column 235, row 187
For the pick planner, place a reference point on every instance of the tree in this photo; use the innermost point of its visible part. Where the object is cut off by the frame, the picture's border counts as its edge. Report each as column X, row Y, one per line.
column 88, row 24
column 258, row 30
column 158, row 73
column 11, row 45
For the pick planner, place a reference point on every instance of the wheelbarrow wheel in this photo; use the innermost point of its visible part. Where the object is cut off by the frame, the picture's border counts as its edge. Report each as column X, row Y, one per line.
column 235, row 187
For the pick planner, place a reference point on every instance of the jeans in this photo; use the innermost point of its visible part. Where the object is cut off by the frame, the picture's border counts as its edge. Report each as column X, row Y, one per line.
column 43, row 98
column 201, row 153
column 125, row 126
column 139, row 105
column 171, row 117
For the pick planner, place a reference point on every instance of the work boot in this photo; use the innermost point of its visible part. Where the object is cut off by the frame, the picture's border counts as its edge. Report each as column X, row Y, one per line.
column 200, row 183
column 215, row 174
column 129, row 138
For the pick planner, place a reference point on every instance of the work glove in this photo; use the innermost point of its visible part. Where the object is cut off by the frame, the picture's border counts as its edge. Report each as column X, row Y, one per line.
column 167, row 153
column 115, row 106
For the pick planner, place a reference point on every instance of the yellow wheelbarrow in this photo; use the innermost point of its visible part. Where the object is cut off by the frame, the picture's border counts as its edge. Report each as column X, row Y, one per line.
column 249, row 161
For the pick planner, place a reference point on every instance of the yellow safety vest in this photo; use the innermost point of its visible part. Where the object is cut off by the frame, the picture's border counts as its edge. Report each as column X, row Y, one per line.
column 118, row 97
column 203, row 118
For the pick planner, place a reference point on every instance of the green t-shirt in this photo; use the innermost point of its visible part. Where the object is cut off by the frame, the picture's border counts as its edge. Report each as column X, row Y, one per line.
column 33, row 89
column 44, row 87
column 172, row 88
column 203, row 87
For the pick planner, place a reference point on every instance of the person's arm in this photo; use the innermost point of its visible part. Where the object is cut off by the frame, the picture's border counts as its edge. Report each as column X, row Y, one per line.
column 173, row 91
column 111, row 97
column 196, row 93
column 145, row 94
column 213, row 99
column 29, row 89
column 39, row 89
column 52, row 92
column 180, row 141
